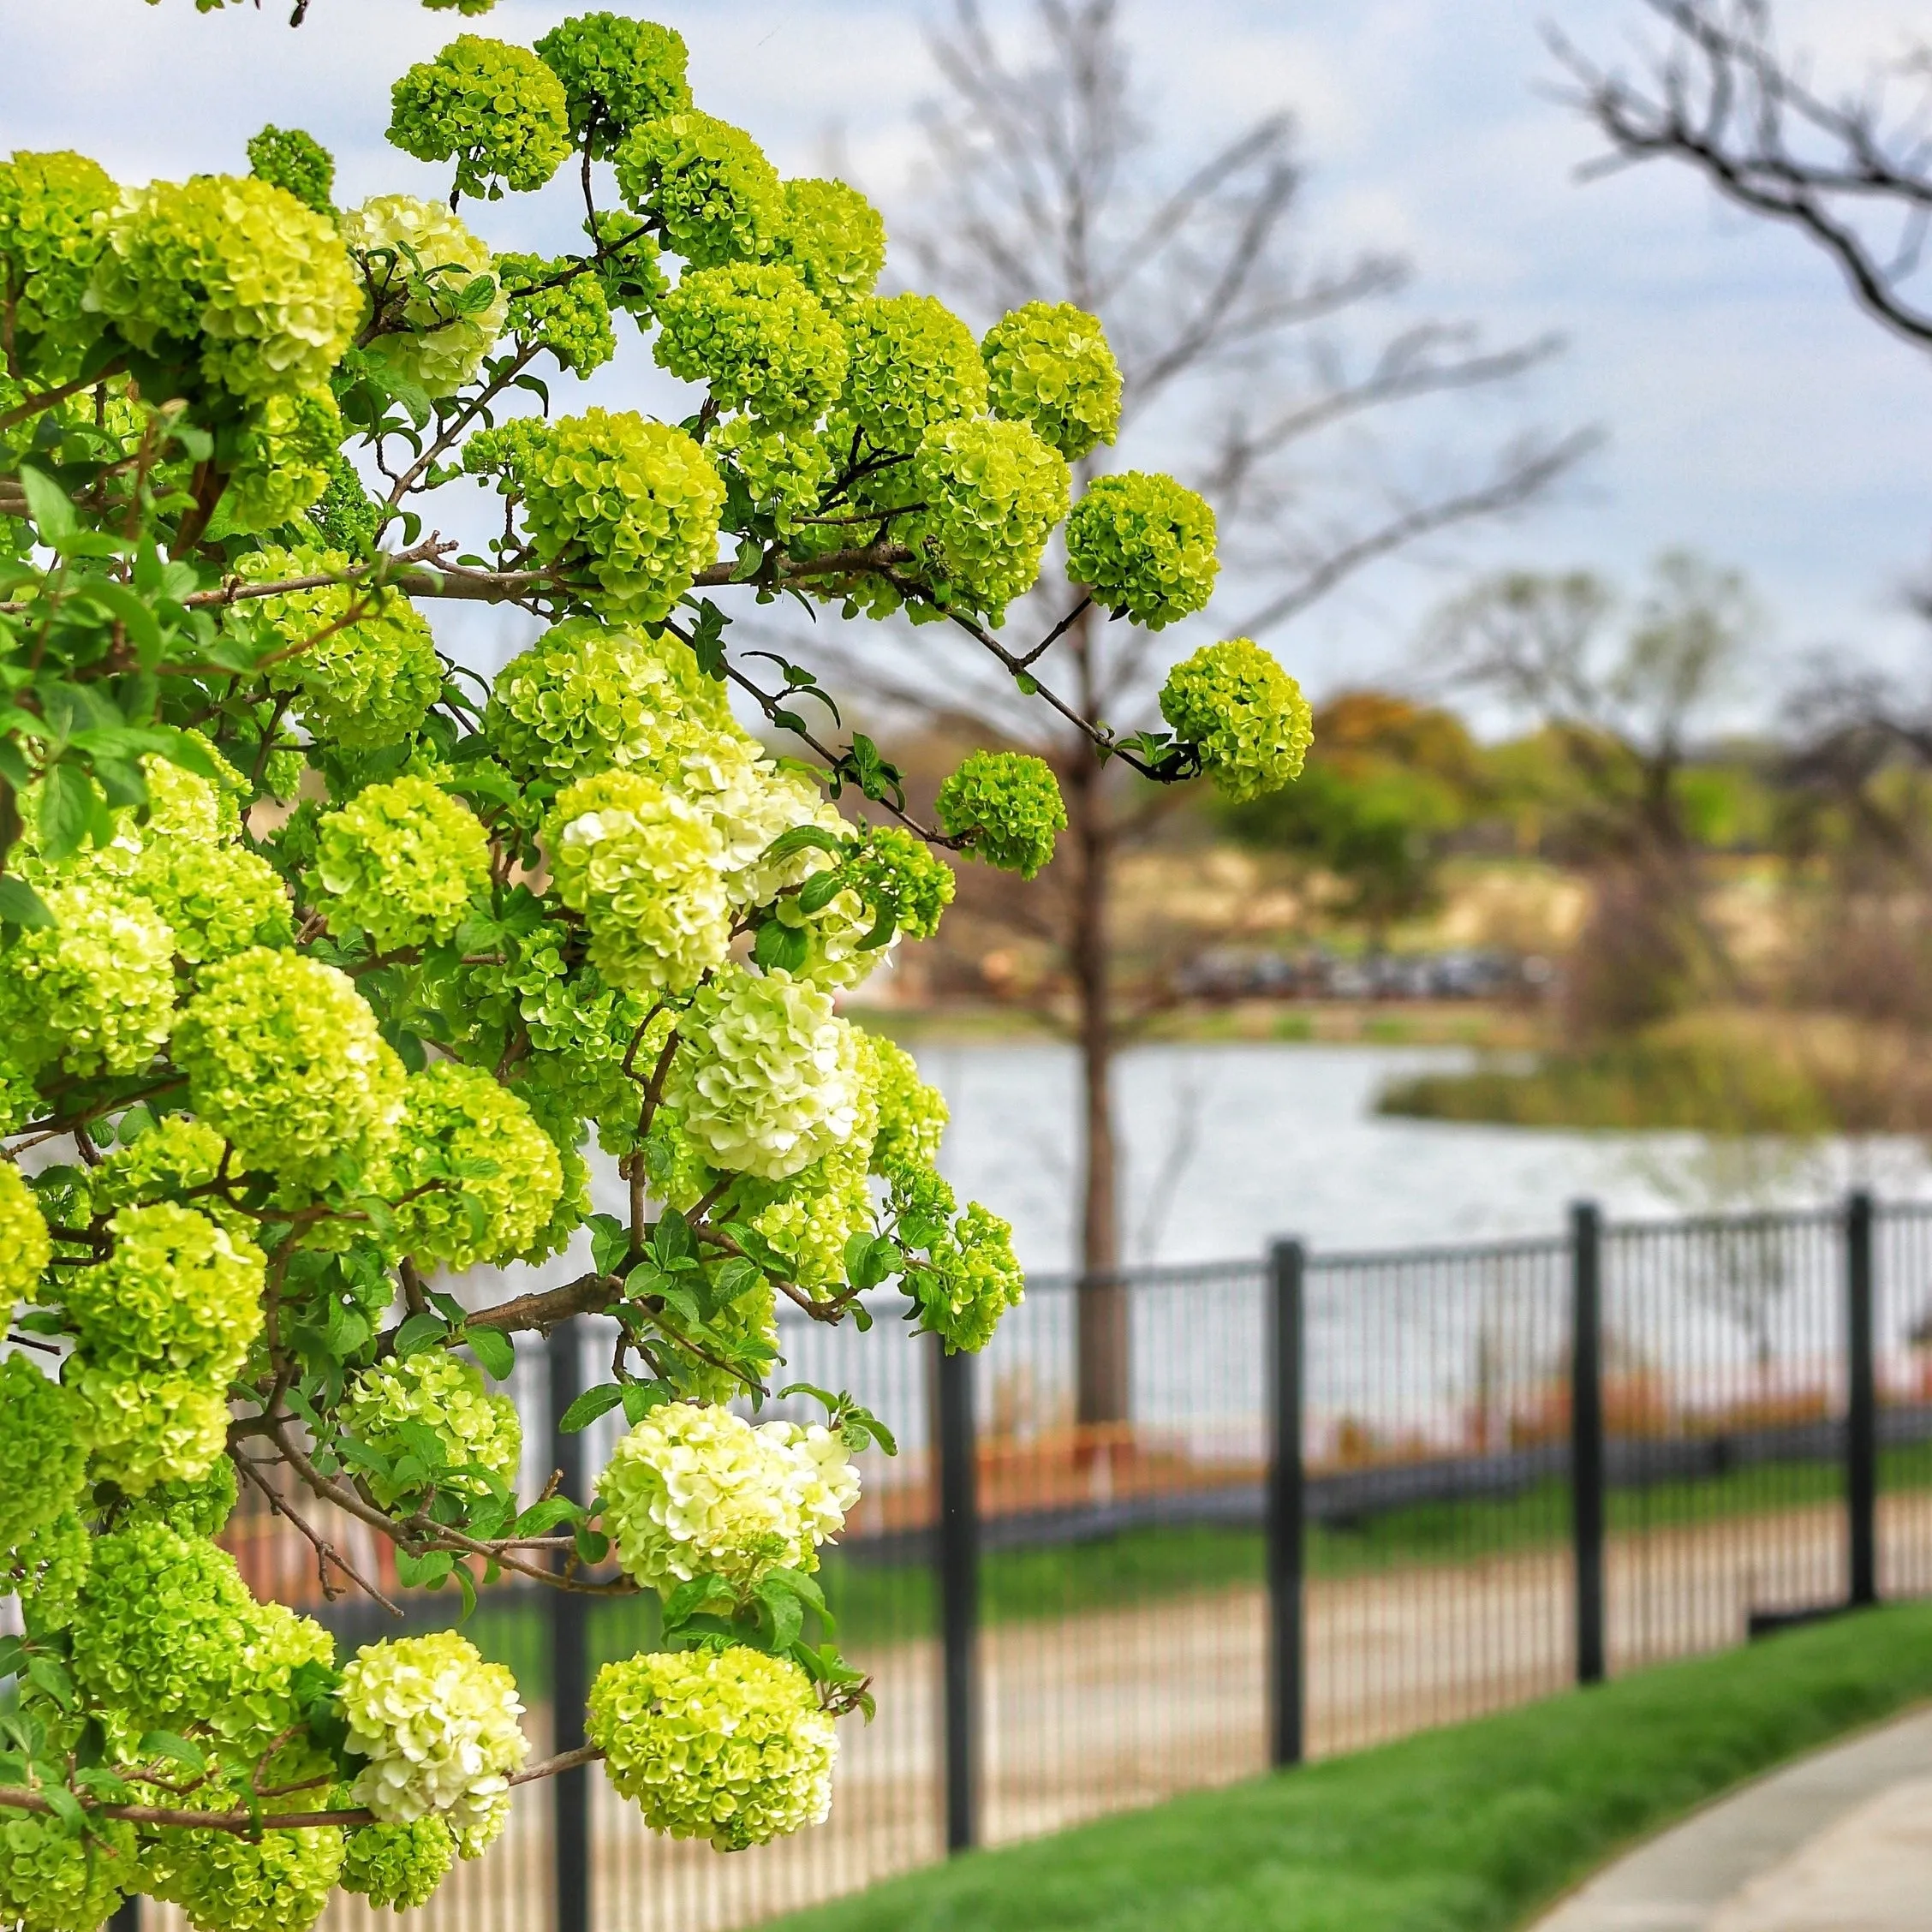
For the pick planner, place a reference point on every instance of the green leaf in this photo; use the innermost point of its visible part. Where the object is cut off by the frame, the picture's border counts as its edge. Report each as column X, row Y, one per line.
column 422, row 1331
column 540, row 1518
column 593, row 1545
column 423, row 1572
column 47, row 505
column 64, row 1805
column 819, row 890
column 610, row 1242
column 691, row 1598
column 801, row 839
column 48, row 1675
column 779, row 948
column 173, row 1746
column 467, row 1584
column 21, row 905
column 67, row 811
column 639, row 1398
column 494, row 1350
column 589, row 1406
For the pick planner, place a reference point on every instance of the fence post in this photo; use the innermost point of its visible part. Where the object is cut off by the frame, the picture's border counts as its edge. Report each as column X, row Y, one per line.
column 569, row 1672
column 959, row 1595
column 1586, row 1432
column 1861, row 1407
column 127, row 1914
column 1286, row 1504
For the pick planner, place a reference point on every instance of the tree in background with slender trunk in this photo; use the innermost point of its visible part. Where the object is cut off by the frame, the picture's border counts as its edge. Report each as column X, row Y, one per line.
column 1052, row 180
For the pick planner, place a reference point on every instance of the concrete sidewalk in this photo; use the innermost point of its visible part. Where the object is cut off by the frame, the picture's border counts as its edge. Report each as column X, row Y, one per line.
column 1840, row 1842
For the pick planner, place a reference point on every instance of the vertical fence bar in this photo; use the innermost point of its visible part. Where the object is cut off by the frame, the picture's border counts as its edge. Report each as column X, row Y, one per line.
column 1586, row 1434
column 959, row 1595
column 1861, row 1406
column 1286, row 1504
column 569, row 1665
column 126, row 1916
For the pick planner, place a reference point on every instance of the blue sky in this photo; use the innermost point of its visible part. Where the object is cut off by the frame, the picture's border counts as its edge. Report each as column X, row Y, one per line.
column 1749, row 412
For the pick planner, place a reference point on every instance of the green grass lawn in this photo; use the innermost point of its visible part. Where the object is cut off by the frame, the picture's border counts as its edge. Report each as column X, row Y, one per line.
column 1466, row 1829
column 879, row 1603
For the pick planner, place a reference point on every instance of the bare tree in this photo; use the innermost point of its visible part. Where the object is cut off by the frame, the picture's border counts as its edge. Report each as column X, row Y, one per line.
column 1620, row 711
column 1050, row 182
column 1853, row 174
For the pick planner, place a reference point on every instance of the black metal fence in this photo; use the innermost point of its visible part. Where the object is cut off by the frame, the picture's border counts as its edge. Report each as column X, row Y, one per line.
column 1352, row 1496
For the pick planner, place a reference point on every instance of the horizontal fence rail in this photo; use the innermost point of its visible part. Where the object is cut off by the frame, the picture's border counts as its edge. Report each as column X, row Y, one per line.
column 1313, row 1502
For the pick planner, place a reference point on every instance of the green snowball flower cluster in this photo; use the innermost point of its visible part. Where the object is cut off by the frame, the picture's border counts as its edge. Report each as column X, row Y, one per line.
column 41, row 1464
column 896, row 871
column 56, row 1879
column 166, row 1632
column 174, row 1154
column 633, row 504
column 1048, row 364
column 399, row 1866
column 557, row 306
column 993, row 492
column 279, row 1882
column 260, row 282
column 403, row 860
column 782, row 471
column 440, row 1730
column 199, row 1507
column 617, row 74
column 218, row 900
column 729, row 1745
column 913, row 363
column 364, row 683
column 50, row 206
column 479, row 1431
column 417, row 260
column 767, row 1078
column 1007, row 805
column 51, row 1571
column 25, row 1246
column 1143, row 545
column 912, row 1115
column 643, row 864
column 834, row 237
column 491, row 1173
column 285, row 1058
column 1243, row 713
column 285, row 465
column 148, row 1429
column 176, row 1294
column 972, row 1280
column 585, row 696
column 493, row 108
column 694, row 1490
column 95, row 990
column 757, row 337
column 706, row 182
column 288, row 159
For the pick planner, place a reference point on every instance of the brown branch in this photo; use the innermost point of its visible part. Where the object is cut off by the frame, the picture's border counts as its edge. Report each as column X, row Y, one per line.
column 247, row 1824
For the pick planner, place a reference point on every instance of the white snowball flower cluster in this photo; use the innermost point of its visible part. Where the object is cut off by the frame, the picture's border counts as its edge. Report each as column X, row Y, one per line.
column 693, row 1491
column 768, row 1078
column 439, row 1728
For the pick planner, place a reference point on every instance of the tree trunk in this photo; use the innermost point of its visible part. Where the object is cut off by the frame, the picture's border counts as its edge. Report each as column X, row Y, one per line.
column 1102, row 1304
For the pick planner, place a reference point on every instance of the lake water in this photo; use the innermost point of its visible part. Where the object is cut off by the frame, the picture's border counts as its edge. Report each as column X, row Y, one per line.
column 1227, row 1146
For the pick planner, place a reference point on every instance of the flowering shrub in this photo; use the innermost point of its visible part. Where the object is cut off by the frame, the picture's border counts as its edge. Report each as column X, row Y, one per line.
column 633, row 503
column 697, row 1491
column 1048, row 364
column 728, row 1745
column 478, row 1435
column 1144, row 546
column 1007, row 805
column 1245, row 714
column 332, row 970
column 439, row 1728
column 402, row 860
